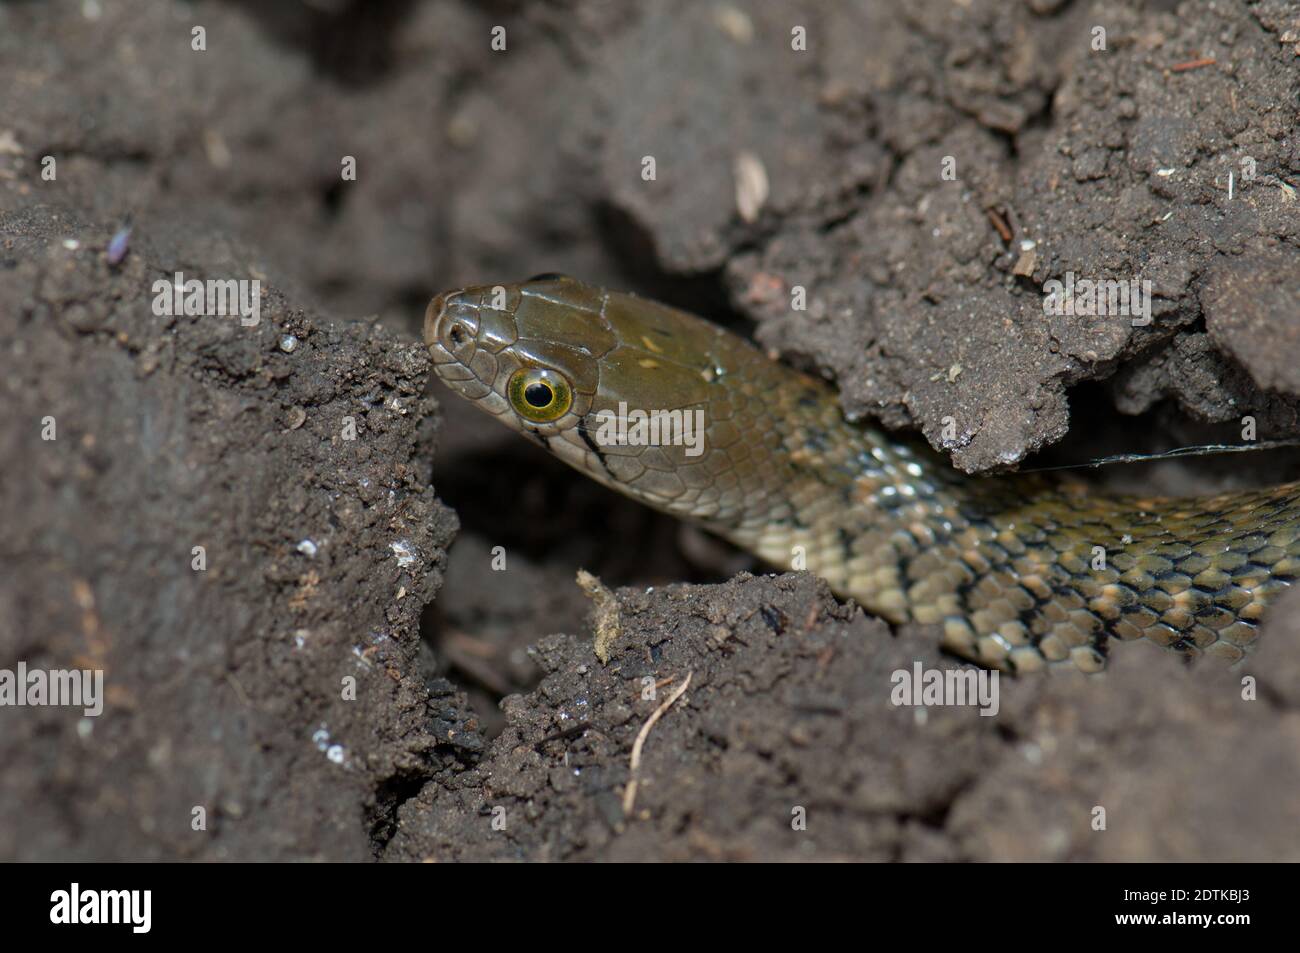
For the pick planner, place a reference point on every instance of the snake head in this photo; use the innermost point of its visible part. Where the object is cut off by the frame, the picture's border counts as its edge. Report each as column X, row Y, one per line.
column 558, row 360
column 520, row 352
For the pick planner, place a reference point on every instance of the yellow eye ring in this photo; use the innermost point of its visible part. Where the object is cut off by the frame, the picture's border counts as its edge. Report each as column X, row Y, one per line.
column 539, row 395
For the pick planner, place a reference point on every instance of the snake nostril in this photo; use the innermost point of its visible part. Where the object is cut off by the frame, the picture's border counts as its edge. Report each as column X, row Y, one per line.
column 457, row 334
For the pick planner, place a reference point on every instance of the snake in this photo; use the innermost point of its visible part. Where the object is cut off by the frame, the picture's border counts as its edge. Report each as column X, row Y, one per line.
column 1021, row 572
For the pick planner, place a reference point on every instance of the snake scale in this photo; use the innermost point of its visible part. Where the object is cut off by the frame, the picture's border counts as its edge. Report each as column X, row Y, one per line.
column 1021, row 572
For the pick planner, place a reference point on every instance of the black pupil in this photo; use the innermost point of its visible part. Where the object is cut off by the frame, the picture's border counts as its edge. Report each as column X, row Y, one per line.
column 537, row 395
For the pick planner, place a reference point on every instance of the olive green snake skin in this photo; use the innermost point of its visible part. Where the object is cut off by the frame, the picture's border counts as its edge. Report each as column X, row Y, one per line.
column 1020, row 572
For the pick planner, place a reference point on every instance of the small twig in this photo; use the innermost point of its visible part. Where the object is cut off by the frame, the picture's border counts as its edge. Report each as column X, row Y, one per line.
column 476, row 658
column 1201, row 451
column 239, row 691
column 607, row 622
column 629, row 794
column 565, row 734
column 1193, row 64
column 824, row 658
column 1000, row 223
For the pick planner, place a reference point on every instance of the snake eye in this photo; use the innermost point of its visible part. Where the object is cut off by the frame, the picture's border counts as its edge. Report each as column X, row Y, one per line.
column 539, row 395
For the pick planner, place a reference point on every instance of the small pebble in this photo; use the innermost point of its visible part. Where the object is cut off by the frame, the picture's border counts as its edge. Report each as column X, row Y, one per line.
column 404, row 552
column 118, row 245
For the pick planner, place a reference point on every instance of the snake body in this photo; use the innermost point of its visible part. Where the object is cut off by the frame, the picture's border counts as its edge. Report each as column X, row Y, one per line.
column 1020, row 572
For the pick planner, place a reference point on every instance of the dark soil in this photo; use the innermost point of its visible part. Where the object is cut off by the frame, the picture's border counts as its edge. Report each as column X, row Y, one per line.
column 326, row 557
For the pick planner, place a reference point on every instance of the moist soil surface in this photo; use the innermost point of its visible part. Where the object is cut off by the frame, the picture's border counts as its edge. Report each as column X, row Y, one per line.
column 336, row 609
